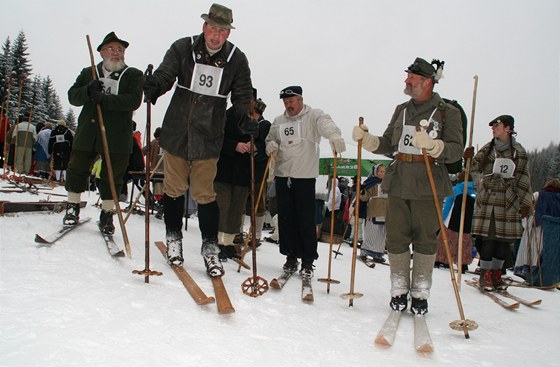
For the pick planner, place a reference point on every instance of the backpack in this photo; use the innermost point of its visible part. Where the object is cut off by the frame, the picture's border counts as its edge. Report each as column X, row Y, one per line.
column 455, row 167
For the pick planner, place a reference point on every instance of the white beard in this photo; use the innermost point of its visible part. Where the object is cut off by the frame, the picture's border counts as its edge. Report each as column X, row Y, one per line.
column 114, row 65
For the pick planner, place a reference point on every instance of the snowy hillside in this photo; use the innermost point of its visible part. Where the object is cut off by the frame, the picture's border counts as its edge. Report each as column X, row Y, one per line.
column 74, row 305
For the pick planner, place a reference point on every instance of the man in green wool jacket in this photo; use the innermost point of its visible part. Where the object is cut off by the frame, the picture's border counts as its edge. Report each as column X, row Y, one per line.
column 118, row 91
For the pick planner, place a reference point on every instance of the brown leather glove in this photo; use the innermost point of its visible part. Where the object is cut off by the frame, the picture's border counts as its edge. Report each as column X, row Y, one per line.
column 525, row 211
column 468, row 153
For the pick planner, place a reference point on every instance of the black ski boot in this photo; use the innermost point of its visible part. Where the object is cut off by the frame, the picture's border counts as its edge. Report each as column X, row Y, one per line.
column 106, row 223
column 72, row 216
column 174, row 241
column 291, row 264
column 399, row 303
column 306, row 271
column 419, row 306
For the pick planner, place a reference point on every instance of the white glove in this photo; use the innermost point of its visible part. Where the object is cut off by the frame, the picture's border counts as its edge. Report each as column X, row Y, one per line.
column 369, row 142
column 359, row 132
column 337, row 144
column 271, row 147
column 423, row 141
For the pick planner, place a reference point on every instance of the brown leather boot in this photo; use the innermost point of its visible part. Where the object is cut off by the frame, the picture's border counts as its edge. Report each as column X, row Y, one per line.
column 485, row 281
column 497, row 280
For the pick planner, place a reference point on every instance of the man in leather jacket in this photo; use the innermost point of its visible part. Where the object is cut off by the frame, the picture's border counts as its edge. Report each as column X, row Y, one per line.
column 208, row 68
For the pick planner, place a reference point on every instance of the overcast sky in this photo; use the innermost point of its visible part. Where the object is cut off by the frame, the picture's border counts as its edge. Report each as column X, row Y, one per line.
column 349, row 56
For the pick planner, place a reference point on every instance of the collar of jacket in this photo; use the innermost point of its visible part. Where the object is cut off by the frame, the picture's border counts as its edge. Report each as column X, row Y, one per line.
column 429, row 104
column 219, row 59
column 114, row 74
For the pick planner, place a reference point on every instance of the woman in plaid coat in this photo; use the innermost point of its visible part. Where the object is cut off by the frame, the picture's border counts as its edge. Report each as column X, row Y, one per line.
column 504, row 197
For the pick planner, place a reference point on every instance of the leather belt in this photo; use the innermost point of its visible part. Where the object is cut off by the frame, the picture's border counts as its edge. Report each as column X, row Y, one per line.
column 413, row 158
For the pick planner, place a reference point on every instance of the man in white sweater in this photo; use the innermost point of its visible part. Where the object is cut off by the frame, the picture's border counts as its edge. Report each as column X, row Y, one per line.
column 293, row 141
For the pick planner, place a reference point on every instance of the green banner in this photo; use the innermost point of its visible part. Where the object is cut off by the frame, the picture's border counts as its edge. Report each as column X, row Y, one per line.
column 349, row 166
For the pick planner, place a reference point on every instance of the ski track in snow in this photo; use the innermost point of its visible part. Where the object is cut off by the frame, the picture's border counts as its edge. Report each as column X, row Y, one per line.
column 74, row 305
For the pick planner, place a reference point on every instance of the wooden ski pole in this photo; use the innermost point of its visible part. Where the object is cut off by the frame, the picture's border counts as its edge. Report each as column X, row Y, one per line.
column 6, row 138
column 246, row 240
column 20, row 81
column 254, row 286
column 337, row 251
column 147, row 272
column 462, row 324
column 107, row 157
column 137, row 199
column 465, row 190
column 328, row 279
column 351, row 294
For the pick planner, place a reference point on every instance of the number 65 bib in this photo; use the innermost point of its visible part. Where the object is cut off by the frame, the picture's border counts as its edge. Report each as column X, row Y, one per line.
column 290, row 133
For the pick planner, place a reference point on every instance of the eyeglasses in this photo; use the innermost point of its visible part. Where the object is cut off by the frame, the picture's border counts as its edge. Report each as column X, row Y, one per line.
column 290, row 92
column 111, row 49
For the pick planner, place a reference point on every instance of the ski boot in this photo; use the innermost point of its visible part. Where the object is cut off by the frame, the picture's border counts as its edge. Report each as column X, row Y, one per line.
column 291, row 264
column 419, row 306
column 106, row 223
column 497, row 280
column 72, row 216
column 485, row 282
column 399, row 303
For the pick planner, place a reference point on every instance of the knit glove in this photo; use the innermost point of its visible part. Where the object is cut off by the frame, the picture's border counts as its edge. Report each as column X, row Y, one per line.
column 151, row 89
column 433, row 146
column 337, row 144
column 369, row 142
column 95, row 90
column 468, row 153
column 525, row 211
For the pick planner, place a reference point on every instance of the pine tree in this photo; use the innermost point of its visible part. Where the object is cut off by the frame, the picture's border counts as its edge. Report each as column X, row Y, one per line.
column 5, row 68
column 70, row 118
column 22, row 68
column 40, row 113
column 52, row 101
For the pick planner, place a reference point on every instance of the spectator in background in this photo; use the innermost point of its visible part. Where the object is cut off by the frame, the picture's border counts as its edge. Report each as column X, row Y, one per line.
column 375, row 201
column 504, row 197
column 24, row 137
column 60, row 147
column 42, row 154
column 452, row 218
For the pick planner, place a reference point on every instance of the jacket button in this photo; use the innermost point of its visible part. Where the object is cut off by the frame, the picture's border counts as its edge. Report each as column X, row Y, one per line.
column 92, row 121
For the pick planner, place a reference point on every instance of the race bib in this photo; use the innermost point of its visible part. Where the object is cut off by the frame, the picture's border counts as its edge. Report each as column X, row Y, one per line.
column 290, row 133
column 110, row 86
column 503, row 167
column 206, row 80
column 405, row 144
column 60, row 138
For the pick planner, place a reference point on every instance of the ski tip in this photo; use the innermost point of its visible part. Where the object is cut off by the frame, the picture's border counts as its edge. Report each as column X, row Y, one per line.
column 425, row 348
column 274, row 284
column 39, row 239
column 380, row 340
column 118, row 254
column 226, row 311
column 308, row 298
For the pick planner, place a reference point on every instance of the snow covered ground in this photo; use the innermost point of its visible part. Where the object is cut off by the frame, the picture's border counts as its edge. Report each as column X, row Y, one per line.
column 74, row 305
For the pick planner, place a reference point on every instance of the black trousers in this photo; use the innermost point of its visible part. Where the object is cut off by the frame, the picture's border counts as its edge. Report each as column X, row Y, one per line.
column 296, row 217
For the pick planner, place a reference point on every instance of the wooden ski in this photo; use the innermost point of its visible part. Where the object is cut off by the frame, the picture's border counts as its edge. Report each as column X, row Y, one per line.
column 190, row 285
column 222, row 297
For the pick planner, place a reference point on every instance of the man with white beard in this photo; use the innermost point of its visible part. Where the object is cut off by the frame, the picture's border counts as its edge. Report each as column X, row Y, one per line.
column 118, row 91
